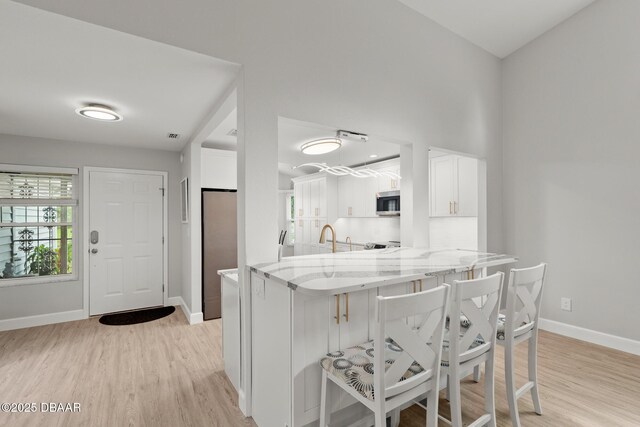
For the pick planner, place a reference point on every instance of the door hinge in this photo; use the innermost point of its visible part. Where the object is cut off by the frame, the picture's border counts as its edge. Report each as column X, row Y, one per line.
column 162, row 189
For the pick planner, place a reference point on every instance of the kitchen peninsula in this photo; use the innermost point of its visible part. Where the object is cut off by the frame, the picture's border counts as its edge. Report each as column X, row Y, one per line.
column 306, row 306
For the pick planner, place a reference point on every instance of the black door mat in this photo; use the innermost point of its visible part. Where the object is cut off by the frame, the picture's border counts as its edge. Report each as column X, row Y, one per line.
column 140, row 316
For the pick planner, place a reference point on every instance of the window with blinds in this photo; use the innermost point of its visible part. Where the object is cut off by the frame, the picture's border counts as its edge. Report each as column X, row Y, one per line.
column 37, row 220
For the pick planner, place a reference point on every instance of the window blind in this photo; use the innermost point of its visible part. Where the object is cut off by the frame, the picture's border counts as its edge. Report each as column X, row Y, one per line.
column 30, row 188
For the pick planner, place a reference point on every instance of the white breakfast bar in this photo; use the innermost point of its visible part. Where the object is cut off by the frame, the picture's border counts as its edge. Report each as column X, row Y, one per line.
column 304, row 307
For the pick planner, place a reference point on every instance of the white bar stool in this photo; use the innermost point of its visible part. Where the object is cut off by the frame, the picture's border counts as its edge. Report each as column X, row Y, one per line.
column 519, row 324
column 471, row 340
column 399, row 365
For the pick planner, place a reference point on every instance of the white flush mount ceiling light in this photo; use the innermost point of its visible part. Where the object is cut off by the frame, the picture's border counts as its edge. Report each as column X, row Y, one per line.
column 99, row 112
column 321, row 146
column 327, row 145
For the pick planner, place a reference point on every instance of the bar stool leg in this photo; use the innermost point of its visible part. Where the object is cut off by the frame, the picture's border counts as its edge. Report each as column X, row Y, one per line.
column 454, row 403
column 489, row 392
column 510, row 377
column 325, row 401
column 533, row 372
column 477, row 374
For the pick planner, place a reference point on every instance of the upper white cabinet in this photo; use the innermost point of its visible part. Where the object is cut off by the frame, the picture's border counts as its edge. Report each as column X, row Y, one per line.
column 311, row 198
column 218, row 169
column 357, row 196
column 315, row 205
column 386, row 183
column 454, row 186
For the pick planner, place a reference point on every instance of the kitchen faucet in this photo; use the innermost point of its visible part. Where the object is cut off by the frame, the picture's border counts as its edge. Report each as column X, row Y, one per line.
column 333, row 236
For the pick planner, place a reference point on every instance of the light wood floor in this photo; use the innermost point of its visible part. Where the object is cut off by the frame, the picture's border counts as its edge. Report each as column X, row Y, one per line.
column 167, row 373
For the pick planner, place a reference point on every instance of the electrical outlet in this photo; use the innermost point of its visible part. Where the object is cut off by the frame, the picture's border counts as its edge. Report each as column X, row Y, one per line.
column 565, row 304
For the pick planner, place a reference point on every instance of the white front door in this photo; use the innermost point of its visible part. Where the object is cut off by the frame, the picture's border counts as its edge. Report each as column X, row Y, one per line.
column 125, row 241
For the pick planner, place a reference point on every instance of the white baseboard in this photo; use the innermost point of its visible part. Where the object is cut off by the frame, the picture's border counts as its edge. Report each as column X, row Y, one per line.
column 193, row 318
column 595, row 337
column 174, row 301
column 42, row 319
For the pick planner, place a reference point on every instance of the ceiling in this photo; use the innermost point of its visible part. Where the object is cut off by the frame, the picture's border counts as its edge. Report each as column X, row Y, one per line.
column 54, row 64
column 499, row 26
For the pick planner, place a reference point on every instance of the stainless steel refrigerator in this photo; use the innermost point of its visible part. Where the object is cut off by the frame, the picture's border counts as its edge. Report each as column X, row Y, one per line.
column 219, row 245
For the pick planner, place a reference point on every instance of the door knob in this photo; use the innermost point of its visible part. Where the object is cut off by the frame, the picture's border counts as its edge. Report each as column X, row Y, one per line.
column 94, row 251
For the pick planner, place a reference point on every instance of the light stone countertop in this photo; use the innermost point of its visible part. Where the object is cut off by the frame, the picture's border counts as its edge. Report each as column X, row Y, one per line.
column 330, row 274
column 231, row 274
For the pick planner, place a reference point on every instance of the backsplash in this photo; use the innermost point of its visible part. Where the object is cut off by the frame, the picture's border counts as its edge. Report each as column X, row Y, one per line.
column 363, row 230
column 456, row 233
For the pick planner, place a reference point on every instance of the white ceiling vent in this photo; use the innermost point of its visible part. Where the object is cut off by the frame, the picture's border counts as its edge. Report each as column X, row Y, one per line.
column 233, row 132
column 173, row 135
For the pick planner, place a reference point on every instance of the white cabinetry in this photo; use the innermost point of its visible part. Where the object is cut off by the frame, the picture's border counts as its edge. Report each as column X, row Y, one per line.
column 453, row 186
column 386, row 183
column 218, row 169
column 231, row 327
column 315, row 205
column 322, row 325
column 357, row 196
column 352, row 196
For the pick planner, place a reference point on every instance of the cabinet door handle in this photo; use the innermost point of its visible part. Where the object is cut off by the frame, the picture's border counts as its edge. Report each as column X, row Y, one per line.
column 346, row 305
column 337, row 309
column 349, row 210
column 450, row 210
column 420, row 285
column 455, row 207
column 414, row 286
column 317, row 213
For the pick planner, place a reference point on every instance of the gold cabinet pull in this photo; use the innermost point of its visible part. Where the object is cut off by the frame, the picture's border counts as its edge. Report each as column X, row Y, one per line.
column 346, row 304
column 349, row 210
column 414, row 286
column 337, row 309
column 420, row 285
column 450, row 212
column 455, row 207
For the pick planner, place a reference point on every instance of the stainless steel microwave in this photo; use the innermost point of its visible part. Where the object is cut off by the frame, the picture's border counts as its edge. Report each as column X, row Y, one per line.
column 388, row 203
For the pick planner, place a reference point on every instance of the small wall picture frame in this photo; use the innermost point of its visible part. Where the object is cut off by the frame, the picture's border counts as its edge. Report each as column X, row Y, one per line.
column 184, row 200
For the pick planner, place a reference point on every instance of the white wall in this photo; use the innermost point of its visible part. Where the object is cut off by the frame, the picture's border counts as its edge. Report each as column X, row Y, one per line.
column 363, row 230
column 31, row 300
column 571, row 164
column 187, row 285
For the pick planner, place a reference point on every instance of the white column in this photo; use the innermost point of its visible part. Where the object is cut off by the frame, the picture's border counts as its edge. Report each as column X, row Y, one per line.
column 420, row 230
column 257, row 203
column 406, row 195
